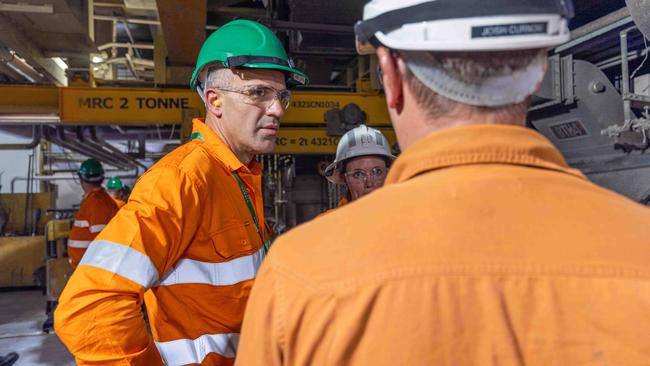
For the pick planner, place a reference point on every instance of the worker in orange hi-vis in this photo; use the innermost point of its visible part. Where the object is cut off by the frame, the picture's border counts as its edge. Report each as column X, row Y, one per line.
column 115, row 188
column 192, row 236
column 483, row 247
column 96, row 210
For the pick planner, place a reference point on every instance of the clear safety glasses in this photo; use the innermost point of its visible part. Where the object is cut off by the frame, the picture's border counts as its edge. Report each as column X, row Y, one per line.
column 262, row 95
column 361, row 176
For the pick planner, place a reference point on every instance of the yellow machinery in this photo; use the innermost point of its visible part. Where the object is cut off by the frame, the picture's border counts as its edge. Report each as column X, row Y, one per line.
column 21, row 249
column 57, row 266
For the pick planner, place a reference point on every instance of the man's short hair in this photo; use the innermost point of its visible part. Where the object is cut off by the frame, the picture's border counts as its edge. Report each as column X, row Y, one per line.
column 218, row 76
column 469, row 67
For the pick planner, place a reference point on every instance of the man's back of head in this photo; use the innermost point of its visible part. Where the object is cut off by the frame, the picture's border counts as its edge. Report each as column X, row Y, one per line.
column 483, row 247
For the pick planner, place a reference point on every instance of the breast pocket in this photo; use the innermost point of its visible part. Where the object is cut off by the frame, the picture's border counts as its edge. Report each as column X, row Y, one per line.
column 235, row 239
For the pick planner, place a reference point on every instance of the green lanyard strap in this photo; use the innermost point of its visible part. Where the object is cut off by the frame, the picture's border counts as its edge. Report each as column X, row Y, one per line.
column 247, row 198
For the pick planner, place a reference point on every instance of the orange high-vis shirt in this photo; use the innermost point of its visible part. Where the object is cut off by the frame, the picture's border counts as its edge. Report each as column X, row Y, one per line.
column 118, row 202
column 186, row 243
column 95, row 211
column 482, row 248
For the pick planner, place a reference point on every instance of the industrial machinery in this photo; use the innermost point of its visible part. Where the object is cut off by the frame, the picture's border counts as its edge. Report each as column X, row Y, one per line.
column 57, row 266
column 595, row 106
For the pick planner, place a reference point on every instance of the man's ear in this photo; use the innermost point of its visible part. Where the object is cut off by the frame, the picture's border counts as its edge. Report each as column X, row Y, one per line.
column 213, row 102
column 392, row 79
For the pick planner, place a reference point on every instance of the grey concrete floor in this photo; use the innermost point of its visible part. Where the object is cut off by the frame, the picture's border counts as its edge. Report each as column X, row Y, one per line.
column 22, row 314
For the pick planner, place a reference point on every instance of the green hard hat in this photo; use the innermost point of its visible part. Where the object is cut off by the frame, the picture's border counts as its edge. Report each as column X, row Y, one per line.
column 247, row 44
column 91, row 170
column 114, row 183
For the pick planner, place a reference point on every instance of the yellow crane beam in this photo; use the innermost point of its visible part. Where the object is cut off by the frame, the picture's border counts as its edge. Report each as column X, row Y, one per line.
column 141, row 106
column 303, row 125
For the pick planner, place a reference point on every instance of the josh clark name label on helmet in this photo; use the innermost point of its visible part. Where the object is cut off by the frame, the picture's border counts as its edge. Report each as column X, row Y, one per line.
column 500, row 30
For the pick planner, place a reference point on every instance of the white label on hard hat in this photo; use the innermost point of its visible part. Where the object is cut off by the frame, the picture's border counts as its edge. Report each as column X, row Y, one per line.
column 502, row 30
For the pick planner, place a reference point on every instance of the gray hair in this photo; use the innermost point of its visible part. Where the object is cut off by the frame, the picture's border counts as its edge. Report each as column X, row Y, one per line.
column 471, row 68
column 218, row 76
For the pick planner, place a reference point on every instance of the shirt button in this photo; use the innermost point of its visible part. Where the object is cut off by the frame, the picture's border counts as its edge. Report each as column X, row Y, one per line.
column 243, row 242
column 246, row 223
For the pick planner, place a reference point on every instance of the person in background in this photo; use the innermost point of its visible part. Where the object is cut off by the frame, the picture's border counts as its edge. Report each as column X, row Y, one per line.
column 96, row 210
column 115, row 188
column 193, row 234
column 483, row 247
column 363, row 157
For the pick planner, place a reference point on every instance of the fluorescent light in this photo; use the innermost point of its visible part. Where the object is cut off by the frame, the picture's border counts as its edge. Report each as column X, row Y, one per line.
column 19, row 71
column 60, row 62
column 97, row 59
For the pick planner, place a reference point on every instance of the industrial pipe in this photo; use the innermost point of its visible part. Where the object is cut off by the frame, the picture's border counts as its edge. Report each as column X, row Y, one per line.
column 47, row 178
column 100, row 148
column 94, row 138
column 76, row 148
column 36, row 139
column 83, row 149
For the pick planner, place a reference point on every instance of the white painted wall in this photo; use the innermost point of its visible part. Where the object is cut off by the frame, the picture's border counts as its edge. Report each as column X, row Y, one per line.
column 14, row 163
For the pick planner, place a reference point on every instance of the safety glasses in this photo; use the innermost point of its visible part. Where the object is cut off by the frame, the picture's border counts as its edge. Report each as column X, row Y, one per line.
column 361, row 176
column 262, row 95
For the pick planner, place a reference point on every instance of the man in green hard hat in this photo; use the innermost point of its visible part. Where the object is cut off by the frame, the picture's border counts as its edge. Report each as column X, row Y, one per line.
column 115, row 188
column 193, row 234
column 95, row 211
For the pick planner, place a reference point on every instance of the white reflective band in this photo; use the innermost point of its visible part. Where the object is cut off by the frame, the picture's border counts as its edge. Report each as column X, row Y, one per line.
column 78, row 243
column 187, row 351
column 216, row 274
column 122, row 260
column 96, row 228
column 81, row 223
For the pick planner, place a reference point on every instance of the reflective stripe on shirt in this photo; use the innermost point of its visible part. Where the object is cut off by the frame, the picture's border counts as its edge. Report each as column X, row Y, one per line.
column 187, row 351
column 215, row 274
column 122, row 260
column 78, row 243
column 81, row 223
column 96, row 228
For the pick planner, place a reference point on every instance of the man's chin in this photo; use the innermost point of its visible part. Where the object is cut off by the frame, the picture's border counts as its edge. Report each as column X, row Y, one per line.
column 265, row 147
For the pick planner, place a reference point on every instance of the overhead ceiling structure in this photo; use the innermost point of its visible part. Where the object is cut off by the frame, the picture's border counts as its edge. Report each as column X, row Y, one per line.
column 36, row 35
column 155, row 43
column 183, row 27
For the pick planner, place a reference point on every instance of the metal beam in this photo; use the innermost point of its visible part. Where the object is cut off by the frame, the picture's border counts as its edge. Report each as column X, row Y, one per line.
column 128, row 19
column 14, row 38
column 594, row 34
column 27, row 8
column 183, row 25
column 147, row 106
column 11, row 73
column 145, row 46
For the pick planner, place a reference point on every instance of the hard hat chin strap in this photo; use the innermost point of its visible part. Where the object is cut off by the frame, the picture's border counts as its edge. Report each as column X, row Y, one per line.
column 492, row 91
column 201, row 92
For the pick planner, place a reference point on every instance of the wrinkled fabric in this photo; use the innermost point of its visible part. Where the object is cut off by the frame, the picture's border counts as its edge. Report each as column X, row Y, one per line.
column 185, row 243
column 96, row 210
column 482, row 248
column 118, row 202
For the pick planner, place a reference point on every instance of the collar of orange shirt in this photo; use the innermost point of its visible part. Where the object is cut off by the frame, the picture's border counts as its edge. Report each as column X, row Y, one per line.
column 478, row 144
column 215, row 145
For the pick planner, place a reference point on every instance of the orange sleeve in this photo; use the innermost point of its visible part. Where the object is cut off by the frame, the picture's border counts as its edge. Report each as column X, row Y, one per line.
column 99, row 317
column 80, row 235
column 261, row 335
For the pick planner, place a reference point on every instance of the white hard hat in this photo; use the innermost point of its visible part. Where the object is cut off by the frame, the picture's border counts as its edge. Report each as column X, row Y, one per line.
column 463, row 25
column 360, row 141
